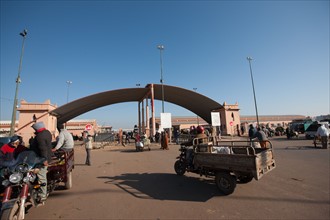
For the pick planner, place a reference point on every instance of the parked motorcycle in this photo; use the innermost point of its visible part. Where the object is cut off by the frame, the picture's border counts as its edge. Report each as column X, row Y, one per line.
column 184, row 162
column 21, row 185
column 20, row 181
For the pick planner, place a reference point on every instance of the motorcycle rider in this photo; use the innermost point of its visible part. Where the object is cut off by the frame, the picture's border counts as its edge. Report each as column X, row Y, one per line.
column 201, row 137
column 42, row 146
column 12, row 149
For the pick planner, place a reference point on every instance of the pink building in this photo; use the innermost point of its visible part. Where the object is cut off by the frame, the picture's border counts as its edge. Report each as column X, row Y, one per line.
column 31, row 112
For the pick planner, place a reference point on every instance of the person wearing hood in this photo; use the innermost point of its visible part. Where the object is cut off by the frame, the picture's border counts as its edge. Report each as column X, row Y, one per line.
column 42, row 146
column 12, row 149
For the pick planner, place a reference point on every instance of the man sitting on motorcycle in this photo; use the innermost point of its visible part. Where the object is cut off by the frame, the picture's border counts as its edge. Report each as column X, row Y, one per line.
column 201, row 137
column 10, row 151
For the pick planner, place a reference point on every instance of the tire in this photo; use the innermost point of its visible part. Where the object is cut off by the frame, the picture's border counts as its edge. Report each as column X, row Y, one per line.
column 225, row 182
column 179, row 167
column 68, row 184
column 11, row 213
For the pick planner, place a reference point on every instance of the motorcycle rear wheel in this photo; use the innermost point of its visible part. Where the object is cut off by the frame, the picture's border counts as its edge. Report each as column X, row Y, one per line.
column 11, row 213
column 225, row 182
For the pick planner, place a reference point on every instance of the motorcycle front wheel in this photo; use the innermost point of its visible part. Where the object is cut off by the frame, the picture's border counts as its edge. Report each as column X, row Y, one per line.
column 180, row 167
column 11, row 213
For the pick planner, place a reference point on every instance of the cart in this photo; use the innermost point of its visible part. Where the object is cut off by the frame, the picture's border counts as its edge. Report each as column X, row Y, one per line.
column 141, row 143
column 230, row 162
column 317, row 142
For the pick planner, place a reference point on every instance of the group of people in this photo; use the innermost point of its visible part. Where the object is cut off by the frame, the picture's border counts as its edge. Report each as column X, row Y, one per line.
column 259, row 134
column 42, row 145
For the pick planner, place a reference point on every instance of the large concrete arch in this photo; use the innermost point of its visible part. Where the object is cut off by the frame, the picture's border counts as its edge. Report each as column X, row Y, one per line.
column 195, row 102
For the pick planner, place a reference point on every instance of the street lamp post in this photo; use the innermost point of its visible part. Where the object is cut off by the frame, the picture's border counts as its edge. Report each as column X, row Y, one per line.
column 195, row 89
column 67, row 91
column 18, row 81
column 254, row 94
column 161, row 48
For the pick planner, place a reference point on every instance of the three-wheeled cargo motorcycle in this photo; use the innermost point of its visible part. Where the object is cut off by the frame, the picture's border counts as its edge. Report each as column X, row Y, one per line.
column 230, row 162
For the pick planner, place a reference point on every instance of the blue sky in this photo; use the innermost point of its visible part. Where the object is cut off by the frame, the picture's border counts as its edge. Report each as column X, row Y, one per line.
column 109, row 45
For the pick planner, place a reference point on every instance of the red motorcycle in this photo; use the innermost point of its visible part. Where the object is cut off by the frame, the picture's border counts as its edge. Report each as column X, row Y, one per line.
column 20, row 181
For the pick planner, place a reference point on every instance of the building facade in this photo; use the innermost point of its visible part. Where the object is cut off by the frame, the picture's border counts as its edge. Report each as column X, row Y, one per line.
column 231, row 121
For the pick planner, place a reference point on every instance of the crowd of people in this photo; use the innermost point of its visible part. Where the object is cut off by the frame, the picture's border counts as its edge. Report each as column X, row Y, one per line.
column 43, row 146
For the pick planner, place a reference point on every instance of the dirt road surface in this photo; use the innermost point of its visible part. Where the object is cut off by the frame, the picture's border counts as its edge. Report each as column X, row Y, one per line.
column 124, row 184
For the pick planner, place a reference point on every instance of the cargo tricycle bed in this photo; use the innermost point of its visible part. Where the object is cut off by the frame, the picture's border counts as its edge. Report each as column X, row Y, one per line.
column 230, row 162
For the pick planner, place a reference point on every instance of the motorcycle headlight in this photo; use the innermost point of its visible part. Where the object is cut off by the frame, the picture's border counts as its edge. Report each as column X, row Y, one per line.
column 15, row 177
column 30, row 178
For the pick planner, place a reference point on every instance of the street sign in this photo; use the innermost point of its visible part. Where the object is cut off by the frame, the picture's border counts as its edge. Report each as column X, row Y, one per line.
column 215, row 117
column 165, row 120
column 88, row 127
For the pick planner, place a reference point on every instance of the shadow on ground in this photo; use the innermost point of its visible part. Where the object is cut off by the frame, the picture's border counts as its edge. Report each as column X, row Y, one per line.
column 164, row 186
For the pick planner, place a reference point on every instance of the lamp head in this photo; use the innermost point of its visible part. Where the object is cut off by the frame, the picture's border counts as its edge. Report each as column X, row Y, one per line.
column 161, row 47
column 23, row 33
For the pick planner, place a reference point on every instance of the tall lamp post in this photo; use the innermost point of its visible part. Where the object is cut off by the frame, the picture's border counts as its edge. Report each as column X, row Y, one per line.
column 161, row 48
column 18, row 81
column 195, row 89
column 254, row 94
column 67, row 91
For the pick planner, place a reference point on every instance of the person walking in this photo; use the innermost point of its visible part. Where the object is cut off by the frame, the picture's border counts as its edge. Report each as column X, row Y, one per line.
column 88, row 146
column 122, row 137
column 323, row 133
column 164, row 140
column 42, row 146
column 252, row 132
column 64, row 141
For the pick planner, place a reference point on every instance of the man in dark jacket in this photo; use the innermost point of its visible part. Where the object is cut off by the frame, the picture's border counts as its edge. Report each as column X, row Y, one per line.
column 42, row 146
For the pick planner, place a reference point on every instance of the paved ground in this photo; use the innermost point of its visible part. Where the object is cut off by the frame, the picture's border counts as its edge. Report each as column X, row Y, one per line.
column 124, row 184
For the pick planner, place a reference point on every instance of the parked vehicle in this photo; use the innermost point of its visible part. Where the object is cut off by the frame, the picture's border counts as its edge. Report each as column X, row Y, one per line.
column 231, row 162
column 20, row 181
column 312, row 129
column 317, row 142
column 141, row 142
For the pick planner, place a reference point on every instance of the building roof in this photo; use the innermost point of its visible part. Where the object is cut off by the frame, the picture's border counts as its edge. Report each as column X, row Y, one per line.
column 191, row 100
